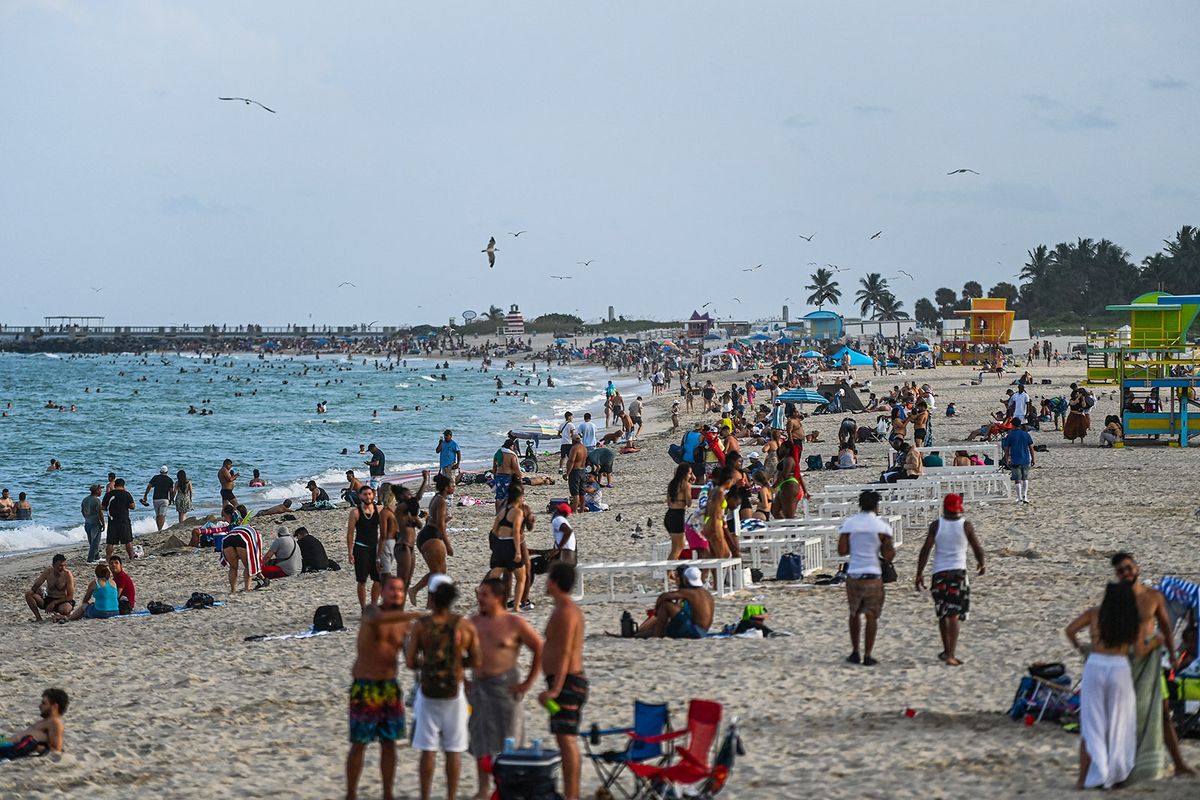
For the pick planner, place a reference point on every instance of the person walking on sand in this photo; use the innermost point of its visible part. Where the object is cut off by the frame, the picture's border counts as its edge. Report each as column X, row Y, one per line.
column 951, row 589
column 566, row 434
column 577, row 473
column 865, row 538
column 442, row 646
column 362, row 543
column 161, row 485
column 1018, row 450
column 449, row 455
column 181, row 494
column 497, row 691
column 376, row 702
column 566, row 683
column 432, row 541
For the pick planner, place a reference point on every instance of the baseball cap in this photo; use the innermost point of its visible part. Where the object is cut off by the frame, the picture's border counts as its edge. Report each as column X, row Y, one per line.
column 564, row 509
column 310, row 485
column 438, row 581
column 163, row 469
column 756, row 456
column 692, row 576
column 953, row 504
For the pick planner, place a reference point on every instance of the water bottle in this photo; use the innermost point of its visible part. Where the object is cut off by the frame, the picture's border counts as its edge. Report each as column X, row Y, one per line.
column 537, row 747
column 510, row 744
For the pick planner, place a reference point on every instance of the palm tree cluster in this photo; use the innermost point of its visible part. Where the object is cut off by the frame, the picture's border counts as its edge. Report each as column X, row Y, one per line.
column 874, row 297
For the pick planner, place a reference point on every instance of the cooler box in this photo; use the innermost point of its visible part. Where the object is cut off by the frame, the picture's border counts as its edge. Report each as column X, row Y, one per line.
column 527, row 775
column 218, row 541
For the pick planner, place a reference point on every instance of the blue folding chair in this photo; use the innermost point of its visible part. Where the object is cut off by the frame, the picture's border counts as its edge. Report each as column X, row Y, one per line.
column 650, row 720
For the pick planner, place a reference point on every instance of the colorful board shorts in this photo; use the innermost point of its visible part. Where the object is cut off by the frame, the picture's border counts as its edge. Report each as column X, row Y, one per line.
column 951, row 594
column 376, row 711
column 571, row 700
column 501, row 482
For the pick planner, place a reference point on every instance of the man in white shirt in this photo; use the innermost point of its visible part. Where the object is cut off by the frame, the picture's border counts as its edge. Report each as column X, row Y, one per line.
column 566, row 434
column 564, row 536
column 865, row 538
column 587, row 432
column 1018, row 403
column 635, row 415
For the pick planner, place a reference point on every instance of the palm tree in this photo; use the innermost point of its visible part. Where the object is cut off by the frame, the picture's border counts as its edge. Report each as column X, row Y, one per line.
column 874, row 288
column 889, row 308
column 494, row 314
column 1038, row 266
column 824, row 288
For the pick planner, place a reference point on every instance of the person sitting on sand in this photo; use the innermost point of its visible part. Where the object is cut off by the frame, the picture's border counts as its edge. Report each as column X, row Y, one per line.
column 283, row 556
column 313, row 557
column 104, row 591
column 44, row 735
column 686, row 613
column 350, row 493
column 317, row 493
column 282, row 508
column 59, row 597
column 961, row 459
column 1112, row 432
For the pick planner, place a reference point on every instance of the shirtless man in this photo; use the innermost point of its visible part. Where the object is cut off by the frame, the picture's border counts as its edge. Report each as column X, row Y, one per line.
column 226, row 477
column 376, row 704
column 60, row 590
column 45, row 734
column 577, row 475
column 1153, row 617
column 506, row 470
column 496, row 690
column 562, row 661
column 686, row 613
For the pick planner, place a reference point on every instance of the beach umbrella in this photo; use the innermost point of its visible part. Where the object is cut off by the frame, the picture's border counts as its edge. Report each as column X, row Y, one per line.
column 811, row 354
column 668, row 343
column 785, row 340
column 760, row 337
column 803, row 396
column 712, row 336
column 537, row 430
column 611, row 340
column 919, row 348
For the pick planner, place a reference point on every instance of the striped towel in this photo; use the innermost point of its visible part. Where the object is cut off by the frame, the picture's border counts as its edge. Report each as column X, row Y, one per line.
column 254, row 542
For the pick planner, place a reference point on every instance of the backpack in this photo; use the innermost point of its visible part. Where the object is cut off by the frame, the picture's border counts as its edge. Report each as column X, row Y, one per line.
column 815, row 462
column 791, row 567
column 200, row 600
column 441, row 659
column 328, row 618
column 156, row 607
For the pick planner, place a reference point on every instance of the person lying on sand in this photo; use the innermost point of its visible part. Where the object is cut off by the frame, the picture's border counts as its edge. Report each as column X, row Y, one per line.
column 45, row 734
column 686, row 613
column 282, row 508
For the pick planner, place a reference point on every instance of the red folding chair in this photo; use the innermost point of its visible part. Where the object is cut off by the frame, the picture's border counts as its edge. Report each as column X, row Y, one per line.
column 704, row 720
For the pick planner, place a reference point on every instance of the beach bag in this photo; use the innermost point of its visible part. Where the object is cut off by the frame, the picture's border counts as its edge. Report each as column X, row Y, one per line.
column 156, row 607
column 675, row 451
column 200, row 600
column 791, row 567
column 815, row 463
column 1048, row 670
column 328, row 618
column 887, row 571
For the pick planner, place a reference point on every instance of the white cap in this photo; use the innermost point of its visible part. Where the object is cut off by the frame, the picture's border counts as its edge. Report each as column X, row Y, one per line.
column 282, row 531
column 692, row 576
column 163, row 469
column 756, row 456
column 437, row 581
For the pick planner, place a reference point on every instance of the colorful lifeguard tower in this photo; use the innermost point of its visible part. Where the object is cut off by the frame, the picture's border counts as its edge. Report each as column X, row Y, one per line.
column 988, row 327
column 1153, row 364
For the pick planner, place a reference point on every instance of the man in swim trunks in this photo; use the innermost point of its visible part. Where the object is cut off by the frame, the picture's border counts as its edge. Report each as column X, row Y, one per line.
column 686, row 613
column 60, row 590
column 161, row 484
column 506, row 468
column 362, row 543
column 562, row 661
column 497, row 690
column 577, row 474
column 376, row 704
column 45, row 734
column 226, row 476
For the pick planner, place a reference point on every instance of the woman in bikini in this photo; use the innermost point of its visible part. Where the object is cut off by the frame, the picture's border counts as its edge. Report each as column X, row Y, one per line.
column 714, row 514
column 432, row 541
column 788, row 491
column 765, row 495
column 679, row 497
column 507, row 540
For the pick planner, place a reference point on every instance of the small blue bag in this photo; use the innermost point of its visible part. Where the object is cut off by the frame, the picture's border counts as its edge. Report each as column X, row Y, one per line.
column 791, row 567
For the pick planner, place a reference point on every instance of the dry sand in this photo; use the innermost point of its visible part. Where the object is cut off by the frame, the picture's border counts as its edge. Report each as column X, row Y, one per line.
column 181, row 706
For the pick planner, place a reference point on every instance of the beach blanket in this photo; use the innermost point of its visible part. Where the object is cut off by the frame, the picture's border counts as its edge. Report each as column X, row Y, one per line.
column 496, row 714
column 254, row 540
column 308, row 634
column 144, row 613
column 1147, row 689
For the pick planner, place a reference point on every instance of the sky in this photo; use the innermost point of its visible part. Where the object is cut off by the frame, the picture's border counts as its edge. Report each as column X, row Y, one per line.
column 673, row 143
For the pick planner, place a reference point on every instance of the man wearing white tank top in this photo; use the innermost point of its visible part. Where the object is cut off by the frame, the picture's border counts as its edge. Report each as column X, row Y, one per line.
column 951, row 589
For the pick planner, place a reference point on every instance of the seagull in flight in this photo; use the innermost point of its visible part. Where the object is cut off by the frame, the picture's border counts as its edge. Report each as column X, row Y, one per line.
column 751, row 269
column 96, row 289
column 491, row 251
column 247, row 101
column 518, row 233
column 836, row 268
column 706, row 305
column 563, row 277
column 587, row 263
column 905, row 274
column 806, row 238
column 347, row 283
column 961, row 171
column 877, row 234
column 738, row 299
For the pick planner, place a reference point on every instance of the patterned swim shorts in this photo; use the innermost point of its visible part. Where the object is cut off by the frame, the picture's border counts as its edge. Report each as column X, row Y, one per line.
column 951, row 594
column 376, row 711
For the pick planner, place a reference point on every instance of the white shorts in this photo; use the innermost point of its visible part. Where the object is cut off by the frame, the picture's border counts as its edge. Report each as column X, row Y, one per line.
column 387, row 564
column 160, row 508
column 440, row 725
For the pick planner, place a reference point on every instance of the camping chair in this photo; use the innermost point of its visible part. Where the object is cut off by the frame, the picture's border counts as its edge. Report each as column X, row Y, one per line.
column 1183, row 697
column 650, row 720
column 704, row 718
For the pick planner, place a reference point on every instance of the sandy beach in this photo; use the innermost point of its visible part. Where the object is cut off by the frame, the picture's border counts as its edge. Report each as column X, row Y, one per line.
column 181, row 706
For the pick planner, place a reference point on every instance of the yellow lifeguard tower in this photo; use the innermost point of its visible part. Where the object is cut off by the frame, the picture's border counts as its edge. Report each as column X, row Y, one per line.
column 988, row 326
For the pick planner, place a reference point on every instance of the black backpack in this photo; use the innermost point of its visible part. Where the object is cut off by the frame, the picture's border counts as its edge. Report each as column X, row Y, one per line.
column 328, row 618
column 200, row 600
column 158, row 607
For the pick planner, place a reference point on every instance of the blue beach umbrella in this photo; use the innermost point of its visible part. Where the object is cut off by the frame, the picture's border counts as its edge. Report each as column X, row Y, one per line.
column 713, row 336
column 760, row 337
column 803, row 396
column 785, row 340
column 811, row 354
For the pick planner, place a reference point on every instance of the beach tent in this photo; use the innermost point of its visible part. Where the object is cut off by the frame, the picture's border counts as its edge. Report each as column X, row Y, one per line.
column 803, row 396
column 713, row 336
column 612, row 340
column 857, row 359
column 850, row 399
column 919, row 348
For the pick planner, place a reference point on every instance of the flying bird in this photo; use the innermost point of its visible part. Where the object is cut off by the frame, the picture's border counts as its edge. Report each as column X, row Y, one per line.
column 738, row 299
column 706, row 305
column 877, row 234
column 96, row 288
column 806, row 238
column 491, row 250
column 836, row 268
column 247, row 101
column 518, row 233
column 905, row 274
column 587, row 263
column 751, row 269
column 961, row 171
column 562, row 277
column 347, row 283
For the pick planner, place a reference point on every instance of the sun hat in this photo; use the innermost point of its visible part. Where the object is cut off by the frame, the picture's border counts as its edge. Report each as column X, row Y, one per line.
column 953, row 504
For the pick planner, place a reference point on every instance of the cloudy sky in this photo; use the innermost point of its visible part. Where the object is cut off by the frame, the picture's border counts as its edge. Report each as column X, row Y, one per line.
column 672, row 142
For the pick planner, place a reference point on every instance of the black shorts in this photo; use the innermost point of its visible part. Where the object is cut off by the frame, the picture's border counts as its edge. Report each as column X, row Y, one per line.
column 636, row 420
column 577, row 480
column 570, row 700
column 364, row 564
column 227, row 494
column 504, row 554
column 119, row 531
column 674, row 521
column 563, row 450
column 236, row 541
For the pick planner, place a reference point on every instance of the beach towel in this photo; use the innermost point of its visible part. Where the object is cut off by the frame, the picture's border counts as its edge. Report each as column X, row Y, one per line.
column 145, row 613
column 1147, row 688
column 300, row 635
column 496, row 714
column 254, row 543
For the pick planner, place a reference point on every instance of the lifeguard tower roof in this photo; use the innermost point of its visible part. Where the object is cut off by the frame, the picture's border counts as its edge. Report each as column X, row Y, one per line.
column 989, row 321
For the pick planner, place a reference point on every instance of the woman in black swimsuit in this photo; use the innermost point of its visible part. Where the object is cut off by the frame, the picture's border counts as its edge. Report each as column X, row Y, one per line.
column 234, row 547
column 679, row 497
column 507, row 540
column 432, row 541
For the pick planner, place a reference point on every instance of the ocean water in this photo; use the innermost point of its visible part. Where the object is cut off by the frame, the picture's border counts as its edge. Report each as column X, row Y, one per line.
column 133, row 418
